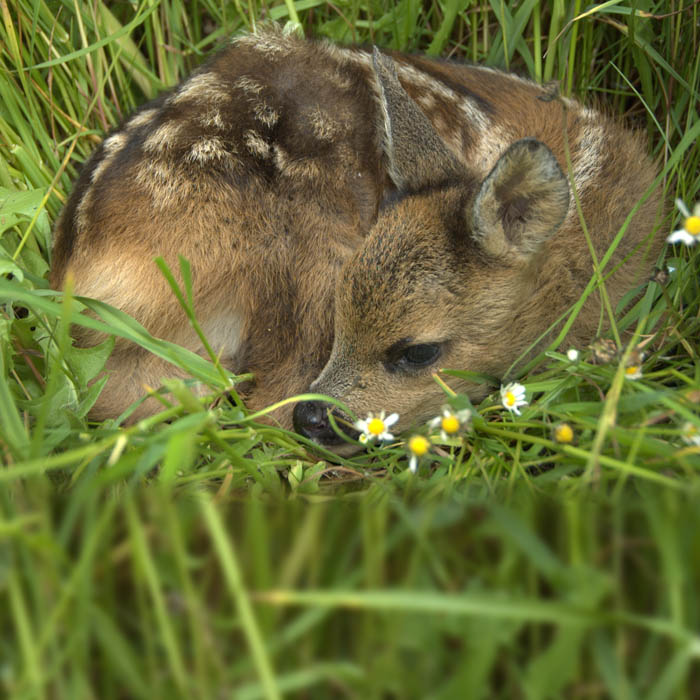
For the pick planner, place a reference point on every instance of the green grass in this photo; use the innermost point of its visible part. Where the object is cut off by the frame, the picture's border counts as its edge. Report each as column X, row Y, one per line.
column 201, row 554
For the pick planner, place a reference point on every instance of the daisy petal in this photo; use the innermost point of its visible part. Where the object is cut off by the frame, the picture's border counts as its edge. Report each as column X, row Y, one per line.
column 682, row 236
column 682, row 208
column 390, row 420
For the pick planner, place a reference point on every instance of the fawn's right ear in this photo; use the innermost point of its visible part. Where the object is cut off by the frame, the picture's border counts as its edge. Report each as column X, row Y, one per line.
column 417, row 156
column 521, row 203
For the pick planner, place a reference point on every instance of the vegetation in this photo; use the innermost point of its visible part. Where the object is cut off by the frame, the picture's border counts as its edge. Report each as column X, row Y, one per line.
column 201, row 554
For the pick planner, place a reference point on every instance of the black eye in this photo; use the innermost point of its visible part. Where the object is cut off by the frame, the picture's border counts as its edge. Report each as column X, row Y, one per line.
column 419, row 355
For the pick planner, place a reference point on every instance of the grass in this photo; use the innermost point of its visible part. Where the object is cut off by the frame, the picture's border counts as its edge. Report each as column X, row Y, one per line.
column 201, row 554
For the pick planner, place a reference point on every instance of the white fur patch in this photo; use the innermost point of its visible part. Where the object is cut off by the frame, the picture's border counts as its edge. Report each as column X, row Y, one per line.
column 265, row 114
column 142, row 118
column 248, row 85
column 163, row 137
column 273, row 44
column 426, row 101
column 112, row 145
column 225, row 334
column 212, row 118
column 256, row 144
column 202, row 87
column 489, row 147
column 589, row 150
column 207, row 149
column 475, row 116
column 81, row 219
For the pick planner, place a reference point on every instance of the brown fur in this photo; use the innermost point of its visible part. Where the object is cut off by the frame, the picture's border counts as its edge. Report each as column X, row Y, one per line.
column 476, row 269
column 266, row 169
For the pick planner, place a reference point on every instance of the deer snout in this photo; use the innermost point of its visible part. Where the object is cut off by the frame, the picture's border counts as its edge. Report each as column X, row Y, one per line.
column 311, row 420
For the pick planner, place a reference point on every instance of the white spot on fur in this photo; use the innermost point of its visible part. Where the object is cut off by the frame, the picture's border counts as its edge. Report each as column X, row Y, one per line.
column 426, row 101
column 202, row 87
column 476, row 117
column 273, row 44
column 81, row 218
column 589, row 150
column 281, row 158
column 111, row 146
column 265, row 114
column 225, row 335
column 489, row 146
column 207, row 149
column 212, row 118
column 142, row 118
column 256, row 144
column 358, row 57
column 248, row 85
column 163, row 137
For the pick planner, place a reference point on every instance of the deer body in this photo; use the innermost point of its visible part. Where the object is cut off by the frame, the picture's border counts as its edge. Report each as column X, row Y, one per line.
column 322, row 194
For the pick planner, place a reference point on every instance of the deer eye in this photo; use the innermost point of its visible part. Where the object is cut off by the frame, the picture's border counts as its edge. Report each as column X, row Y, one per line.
column 416, row 356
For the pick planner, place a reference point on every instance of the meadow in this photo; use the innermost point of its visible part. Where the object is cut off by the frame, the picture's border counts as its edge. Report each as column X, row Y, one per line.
column 201, row 553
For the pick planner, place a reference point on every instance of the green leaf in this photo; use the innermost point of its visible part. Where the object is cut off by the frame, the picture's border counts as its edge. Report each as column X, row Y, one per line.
column 87, row 363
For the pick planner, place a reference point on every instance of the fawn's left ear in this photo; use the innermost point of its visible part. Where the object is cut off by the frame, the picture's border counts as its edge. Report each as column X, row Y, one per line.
column 417, row 156
column 521, row 203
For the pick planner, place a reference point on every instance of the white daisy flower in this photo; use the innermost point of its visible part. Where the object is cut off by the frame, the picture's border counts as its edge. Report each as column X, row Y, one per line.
column 418, row 447
column 572, row 354
column 513, row 397
column 689, row 233
column 691, row 434
column 376, row 427
column 633, row 372
column 450, row 421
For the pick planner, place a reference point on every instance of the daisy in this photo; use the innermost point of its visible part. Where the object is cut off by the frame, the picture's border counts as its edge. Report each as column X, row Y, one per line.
column 572, row 354
column 418, row 446
column 691, row 434
column 633, row 372
column 564, row 433
column 376, row 427
column 450, row 421
column 513, row 397
column 689, row 233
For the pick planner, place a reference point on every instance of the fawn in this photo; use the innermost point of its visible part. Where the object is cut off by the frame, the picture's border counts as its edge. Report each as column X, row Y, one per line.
column 353, row 220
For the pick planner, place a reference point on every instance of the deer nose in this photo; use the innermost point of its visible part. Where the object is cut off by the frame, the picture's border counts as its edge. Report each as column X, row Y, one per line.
column 311, row 420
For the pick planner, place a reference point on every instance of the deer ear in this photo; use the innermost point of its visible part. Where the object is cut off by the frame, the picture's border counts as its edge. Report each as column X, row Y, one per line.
column 522, row 201
column 417, row 156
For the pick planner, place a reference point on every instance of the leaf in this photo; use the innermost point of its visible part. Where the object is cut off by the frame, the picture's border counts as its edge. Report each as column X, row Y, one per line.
column 16, row 206
column 8, row 267
column 87, row 363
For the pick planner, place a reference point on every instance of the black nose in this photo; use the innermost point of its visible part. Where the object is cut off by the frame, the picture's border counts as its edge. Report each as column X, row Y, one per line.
column 311, row 420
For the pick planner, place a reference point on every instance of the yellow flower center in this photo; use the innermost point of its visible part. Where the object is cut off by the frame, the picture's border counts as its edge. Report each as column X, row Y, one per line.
column 563, row 433
column 375, row 426
column 632, row 369
column 418, row 445
column 510, row 398
column 692, row 225
column 450, row 424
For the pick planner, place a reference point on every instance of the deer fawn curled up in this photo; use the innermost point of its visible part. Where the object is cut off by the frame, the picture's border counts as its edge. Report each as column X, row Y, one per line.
column 354, row 220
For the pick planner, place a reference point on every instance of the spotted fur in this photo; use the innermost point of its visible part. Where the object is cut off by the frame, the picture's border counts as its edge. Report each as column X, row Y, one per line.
column 474, row 270
column 267, row 168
